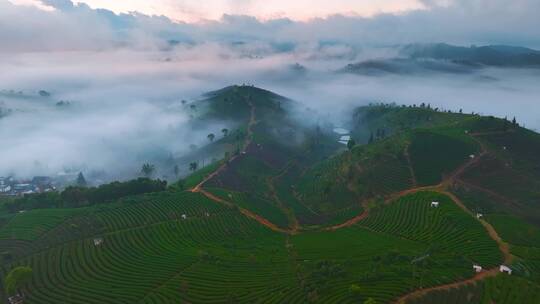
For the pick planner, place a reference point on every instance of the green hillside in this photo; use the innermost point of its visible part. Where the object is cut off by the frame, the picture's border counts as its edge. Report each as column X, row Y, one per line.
column 287, row 214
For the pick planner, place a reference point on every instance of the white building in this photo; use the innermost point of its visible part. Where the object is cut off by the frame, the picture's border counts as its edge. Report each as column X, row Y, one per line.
column 435, row 204
column 5, row 188
column 98, row 241
column 184, row 217
column 16, row 299
column 505, row 269
column 477, row 268
column 479, row 215
column 472, row 156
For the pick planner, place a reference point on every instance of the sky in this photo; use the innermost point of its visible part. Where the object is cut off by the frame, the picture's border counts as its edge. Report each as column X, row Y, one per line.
column 194, row 10
column 124, row 67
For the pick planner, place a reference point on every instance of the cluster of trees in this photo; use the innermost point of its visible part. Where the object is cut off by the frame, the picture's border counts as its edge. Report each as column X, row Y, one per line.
column 80, row 196
column 212, row 136
column 319, row 277
column 17, row 278
column 379, row 134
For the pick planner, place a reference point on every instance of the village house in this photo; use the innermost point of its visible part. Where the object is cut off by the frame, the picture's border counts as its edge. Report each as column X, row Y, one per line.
column 477, row 268
column 39, row 184
column 505, row 269
column 479, row 215
column 4, row 187
column 16, row 299
column 435, row 204
column 184, row 217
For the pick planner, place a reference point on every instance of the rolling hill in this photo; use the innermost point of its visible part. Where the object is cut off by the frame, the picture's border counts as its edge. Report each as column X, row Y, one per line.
column 288, row 214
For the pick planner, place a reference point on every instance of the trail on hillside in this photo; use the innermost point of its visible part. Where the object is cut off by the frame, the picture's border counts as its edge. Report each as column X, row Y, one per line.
column 352, row 221
column 411, row 170
column 422, row 292
column 199, row 188
column 290, row 214
column 247, row 142
column 245, row 212
column 491, row 193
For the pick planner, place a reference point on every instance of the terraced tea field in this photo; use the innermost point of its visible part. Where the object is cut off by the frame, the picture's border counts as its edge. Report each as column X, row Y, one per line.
column 32, row 224
column 182, row 247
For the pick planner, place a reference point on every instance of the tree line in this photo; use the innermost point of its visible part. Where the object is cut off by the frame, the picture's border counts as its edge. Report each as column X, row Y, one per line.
column 79, row 196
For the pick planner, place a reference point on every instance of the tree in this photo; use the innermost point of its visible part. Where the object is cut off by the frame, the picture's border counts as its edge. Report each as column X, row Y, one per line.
column 211, row 136
column 176, row 171
column 184, row 101
column 148, row 169
column 81, row 181
column 193, row 166
column 514, row 122
column 17, row 278
column 370, row 301
column 225, row 132
column 351, row 143
column 370, row 138
column 355, row 289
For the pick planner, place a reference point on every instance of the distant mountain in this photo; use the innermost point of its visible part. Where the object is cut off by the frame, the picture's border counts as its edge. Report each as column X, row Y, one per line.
column 491, row 55
column 406, row 66
column 444, row 58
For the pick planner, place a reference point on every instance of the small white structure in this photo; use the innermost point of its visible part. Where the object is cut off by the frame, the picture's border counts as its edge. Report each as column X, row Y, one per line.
column 184, row 217
column 472, row 156
column 504, row 148
column 16, row 299
column 505, row 269
column 435, row 204
column 98, row 241
column 479, row 215
column 207, row 214
column 477, row 268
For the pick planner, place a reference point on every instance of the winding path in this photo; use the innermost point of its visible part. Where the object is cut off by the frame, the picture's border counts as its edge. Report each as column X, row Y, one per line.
column 440, row 188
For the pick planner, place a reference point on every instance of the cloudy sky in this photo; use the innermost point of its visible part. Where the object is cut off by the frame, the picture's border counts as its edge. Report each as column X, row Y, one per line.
column 193, row 10
column 46, row 24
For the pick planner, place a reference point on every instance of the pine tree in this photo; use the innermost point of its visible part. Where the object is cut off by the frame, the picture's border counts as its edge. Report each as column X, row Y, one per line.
column 176, row 171
column 351, row 143
column 81, row 181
